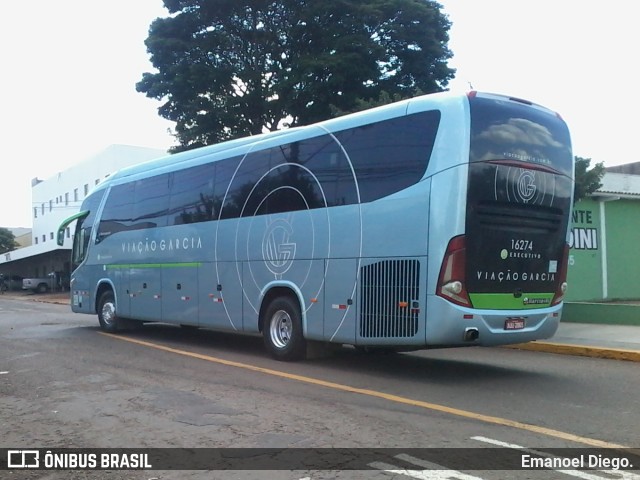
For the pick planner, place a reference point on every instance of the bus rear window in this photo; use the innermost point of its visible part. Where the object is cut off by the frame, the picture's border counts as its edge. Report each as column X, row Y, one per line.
column 505, row 130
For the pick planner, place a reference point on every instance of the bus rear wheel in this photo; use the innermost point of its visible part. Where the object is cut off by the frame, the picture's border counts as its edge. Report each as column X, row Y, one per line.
column 107, row 316
column 282, row 330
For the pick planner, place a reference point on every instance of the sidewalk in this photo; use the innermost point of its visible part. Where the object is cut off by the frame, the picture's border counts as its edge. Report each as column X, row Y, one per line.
column 617, row 342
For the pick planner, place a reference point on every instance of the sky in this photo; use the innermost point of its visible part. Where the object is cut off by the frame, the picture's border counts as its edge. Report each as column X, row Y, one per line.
column 69, row 69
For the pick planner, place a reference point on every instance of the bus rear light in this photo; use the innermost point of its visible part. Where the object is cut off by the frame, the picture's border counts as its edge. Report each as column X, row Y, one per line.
column 452, row 273
column 562, row 274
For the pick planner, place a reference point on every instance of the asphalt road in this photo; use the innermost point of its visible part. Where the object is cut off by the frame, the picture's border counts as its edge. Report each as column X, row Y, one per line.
column 64, row 384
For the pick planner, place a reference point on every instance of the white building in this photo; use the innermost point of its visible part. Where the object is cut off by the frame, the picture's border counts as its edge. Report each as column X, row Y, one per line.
column 59, row 197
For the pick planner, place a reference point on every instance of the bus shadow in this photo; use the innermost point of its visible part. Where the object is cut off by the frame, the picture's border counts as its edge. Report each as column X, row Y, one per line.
column 443, row 366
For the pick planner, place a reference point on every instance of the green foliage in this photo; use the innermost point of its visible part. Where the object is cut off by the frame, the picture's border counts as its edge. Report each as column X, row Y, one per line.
column 384, row 98
column 586, row 181
column 7, row 241
column 229, row 68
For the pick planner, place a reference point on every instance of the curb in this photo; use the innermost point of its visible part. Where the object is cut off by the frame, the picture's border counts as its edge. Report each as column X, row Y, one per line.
column 579, row 350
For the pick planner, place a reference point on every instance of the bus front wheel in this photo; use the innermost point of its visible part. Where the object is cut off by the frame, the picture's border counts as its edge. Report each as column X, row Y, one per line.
column 282, row 329
column 107, row 312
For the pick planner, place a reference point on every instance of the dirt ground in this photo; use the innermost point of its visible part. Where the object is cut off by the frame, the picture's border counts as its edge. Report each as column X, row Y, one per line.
column 61, row 298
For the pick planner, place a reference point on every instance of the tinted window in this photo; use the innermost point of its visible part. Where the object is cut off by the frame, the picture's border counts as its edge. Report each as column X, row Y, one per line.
column 225, row 171
column 151, row 202
column 192, row 198
column 507, row 130
column 391, row 155
column 117, row 214
column 290, row 183
column 247, row 191
column 326, row 160
column 385, row 156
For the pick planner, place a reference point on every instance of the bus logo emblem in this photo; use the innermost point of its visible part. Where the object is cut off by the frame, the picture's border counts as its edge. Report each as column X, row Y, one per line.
column 526, row 186
column 278, row 251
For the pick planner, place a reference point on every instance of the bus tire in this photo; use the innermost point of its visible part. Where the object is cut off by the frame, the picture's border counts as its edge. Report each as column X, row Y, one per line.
column 109, row 321
column 282, row 329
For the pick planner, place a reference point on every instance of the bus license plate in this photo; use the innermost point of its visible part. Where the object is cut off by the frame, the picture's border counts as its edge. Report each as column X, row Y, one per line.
column 514, row 324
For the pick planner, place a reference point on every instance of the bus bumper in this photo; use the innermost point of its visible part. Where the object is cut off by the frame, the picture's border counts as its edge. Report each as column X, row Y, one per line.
column 452, row 325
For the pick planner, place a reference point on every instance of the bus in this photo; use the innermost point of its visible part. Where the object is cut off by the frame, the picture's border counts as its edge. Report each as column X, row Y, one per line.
column 438, row 221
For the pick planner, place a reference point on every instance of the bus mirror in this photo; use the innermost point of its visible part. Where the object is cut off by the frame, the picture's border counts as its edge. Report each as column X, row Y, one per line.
column 60, row 239
column 63, row 226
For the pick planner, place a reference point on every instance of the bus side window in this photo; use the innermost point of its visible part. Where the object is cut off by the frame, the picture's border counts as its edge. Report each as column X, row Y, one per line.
column 251, row 185
column 391, row 155
column 324, row 157
column 192, row 196
column 118, row 211
column 151, row 202
column 225, row 170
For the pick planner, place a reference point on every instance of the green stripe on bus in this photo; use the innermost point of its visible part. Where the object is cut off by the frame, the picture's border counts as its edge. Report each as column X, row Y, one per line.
column 506, row 301
column 154, row 265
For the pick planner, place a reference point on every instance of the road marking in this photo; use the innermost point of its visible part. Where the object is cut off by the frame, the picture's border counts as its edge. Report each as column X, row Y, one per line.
column 431, row 471
column 550, row 432
column 615, row 474
column 439, row 474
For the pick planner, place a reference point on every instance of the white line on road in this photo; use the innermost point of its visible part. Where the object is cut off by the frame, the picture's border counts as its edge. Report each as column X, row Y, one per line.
column 611, row 474
column 440, row 474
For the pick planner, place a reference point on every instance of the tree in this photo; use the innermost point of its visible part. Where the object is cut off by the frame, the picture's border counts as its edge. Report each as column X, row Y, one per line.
column 587, row 181
column 229, row 68
column 7, row 241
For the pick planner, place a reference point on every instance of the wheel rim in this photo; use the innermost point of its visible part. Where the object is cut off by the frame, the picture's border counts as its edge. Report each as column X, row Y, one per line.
column 281, row 328
column 108, row 313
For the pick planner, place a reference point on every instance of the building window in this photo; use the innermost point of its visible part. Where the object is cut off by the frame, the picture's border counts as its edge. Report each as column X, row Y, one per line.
column 35, row 212
column 97, row 181
column 44, row 238
column 68, row 232
column 50, row 205
column 75, row 195
column 50, row 235
column 66, row 198
column 36, row 239
column 42, row 207
column 86, row 189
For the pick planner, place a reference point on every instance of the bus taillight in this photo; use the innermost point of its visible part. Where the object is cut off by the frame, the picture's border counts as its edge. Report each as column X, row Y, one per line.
column 451, row 282
column 562, row 281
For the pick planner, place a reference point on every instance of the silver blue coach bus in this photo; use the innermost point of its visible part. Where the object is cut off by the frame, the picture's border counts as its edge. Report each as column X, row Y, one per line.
column 434, row 222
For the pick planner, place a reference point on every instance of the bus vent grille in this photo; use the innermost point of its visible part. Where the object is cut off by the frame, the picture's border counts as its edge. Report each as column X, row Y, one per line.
column 389, row 296
column 524, row 217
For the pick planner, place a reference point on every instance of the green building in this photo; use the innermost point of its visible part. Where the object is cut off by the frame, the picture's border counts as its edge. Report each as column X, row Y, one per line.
column 604, row 260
